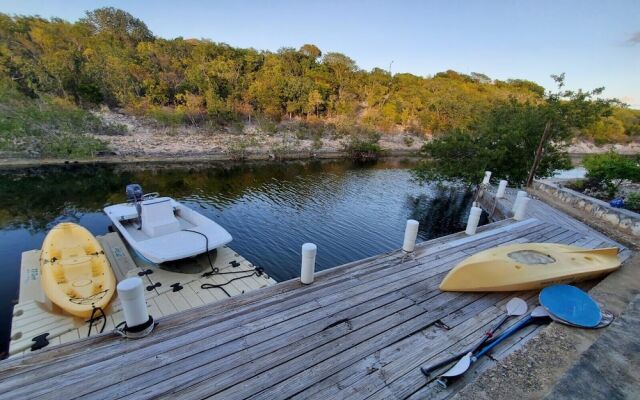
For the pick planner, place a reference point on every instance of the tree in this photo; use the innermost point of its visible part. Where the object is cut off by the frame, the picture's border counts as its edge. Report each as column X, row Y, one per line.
column 119, row 24
column 342, row 68
column 502, row 141
column 314, row 101
column 311, row 50
column 564, row 110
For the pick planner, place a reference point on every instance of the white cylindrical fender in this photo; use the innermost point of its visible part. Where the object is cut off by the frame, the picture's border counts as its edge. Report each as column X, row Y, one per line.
column 501, row 189
column 521, row 211
column 410, row 235
column 134, row 306
column 516, row 202
column 474, row 219
column 487, row 177
column 308, row 266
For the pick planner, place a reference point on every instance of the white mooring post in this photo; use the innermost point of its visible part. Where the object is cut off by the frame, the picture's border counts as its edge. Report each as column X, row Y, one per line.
column 516, row 202
column 501, row 188
column 474, row 219
column 410, row 235
column 487, row 177
column 521, row 211
column 131, row 296
column 138, row 322
column 308, row 266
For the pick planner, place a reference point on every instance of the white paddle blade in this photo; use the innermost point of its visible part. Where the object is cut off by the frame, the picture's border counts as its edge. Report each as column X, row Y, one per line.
column 460, row 368
column 539, row 312
column 516, row 307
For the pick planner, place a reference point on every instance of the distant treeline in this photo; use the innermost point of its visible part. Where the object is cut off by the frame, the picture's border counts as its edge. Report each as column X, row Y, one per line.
column 110, row 57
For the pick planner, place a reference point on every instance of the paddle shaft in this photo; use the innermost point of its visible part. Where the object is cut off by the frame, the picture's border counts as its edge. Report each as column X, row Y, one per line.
column 445, row 381
column 516, row 327
column 489, row 334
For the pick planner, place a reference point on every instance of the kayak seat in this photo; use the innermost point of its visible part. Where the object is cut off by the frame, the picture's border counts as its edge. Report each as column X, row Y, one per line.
column 58, row 273
column 73, row 261
column 71, row 252
column 158, row 218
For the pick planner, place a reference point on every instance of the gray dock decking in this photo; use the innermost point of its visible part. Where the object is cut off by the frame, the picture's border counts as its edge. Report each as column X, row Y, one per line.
column 360, row 330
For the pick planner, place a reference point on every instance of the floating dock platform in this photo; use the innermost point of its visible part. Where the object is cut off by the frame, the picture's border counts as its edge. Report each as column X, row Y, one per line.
column 168, row 292
column 360, row 331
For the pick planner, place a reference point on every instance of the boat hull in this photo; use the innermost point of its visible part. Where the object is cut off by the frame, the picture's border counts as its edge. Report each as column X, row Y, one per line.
column 76, row 275
column 529, row 266
column 188, row 240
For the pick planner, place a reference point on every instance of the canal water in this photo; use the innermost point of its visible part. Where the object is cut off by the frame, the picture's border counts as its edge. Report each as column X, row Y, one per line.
column 349, row 210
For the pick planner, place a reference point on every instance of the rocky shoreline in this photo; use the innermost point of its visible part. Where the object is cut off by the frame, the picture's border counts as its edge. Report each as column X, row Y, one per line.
column 142, row 141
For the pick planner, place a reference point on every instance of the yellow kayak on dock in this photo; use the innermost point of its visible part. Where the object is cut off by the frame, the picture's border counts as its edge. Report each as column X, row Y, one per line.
column 76, row 275
column 529, row 266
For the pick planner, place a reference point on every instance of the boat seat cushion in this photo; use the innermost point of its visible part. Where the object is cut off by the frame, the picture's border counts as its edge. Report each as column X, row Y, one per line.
column 158, row 218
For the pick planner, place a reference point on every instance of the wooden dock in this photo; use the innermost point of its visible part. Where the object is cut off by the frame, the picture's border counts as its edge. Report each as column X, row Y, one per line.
column 361, row 331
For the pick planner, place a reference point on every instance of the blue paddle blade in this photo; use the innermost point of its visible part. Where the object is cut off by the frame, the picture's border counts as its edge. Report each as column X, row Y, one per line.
column 571, row 304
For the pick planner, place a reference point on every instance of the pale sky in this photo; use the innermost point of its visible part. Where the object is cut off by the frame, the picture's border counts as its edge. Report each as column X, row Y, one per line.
column 596, row 43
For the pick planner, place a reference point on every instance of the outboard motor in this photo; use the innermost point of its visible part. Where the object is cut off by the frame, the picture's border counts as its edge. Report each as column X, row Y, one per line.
column 134, row 192
column 135, row 195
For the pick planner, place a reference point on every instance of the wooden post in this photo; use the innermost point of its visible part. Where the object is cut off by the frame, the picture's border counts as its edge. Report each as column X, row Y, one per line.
column 539, row 152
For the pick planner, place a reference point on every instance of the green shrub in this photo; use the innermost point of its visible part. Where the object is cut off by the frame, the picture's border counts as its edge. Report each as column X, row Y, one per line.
column 408, row 141
column 237, row 149
column 610, row 169
column 167, row 117
column 267, row 125
column 317, row 143
column 632, row 201
column 363, row 146
column 112, row 129
column 47, row 126
column 578, row 185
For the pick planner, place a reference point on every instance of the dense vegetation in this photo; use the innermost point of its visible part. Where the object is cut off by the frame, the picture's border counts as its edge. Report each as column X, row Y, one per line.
column 517, row 141
column 47, row 126
column 609, row 170
column 110, row 57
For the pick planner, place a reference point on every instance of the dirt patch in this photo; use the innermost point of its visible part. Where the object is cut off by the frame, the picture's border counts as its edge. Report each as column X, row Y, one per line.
column 585, row 147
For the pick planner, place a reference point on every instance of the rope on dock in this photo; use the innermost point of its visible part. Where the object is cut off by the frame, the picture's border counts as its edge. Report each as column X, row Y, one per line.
column 257, row 272
column 215, row 271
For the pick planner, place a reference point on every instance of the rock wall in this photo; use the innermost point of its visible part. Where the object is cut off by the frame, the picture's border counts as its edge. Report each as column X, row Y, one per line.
column 624, row 220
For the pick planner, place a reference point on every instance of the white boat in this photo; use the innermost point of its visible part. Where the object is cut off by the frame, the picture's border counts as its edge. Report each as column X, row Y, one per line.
column 162, row 229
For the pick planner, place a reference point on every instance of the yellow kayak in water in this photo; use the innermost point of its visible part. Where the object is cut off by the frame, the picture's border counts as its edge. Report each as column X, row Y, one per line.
column 76, row 275
column 529, row 266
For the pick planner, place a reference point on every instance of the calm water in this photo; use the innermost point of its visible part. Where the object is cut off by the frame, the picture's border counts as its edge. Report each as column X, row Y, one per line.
column 350, row 211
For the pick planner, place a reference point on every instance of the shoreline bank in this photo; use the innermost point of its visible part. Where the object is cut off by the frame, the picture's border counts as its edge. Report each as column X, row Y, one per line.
column 6, row 163
column 209, row 157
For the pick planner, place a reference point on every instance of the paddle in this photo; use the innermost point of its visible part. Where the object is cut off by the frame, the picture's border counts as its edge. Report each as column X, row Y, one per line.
column 515, row 307
column 465, row 362
column 570, row 305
